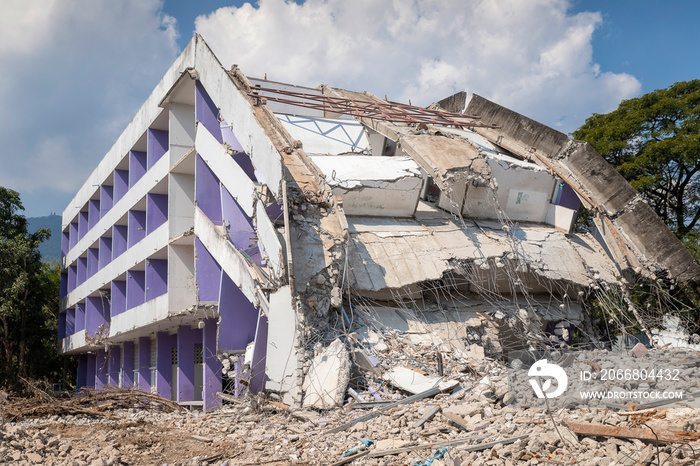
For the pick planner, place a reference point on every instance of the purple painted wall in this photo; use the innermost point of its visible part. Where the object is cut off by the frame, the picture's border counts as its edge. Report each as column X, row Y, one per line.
column 137, row 226
column 207, row 273
column 186, row 338
column 207, row 191
column 239, row 317
column 93, row 261
column 82, row 271
column 72, row 277
column 231, row 139
column 164, row 346
column 206, row 112
column 240, row 226
column 137, row 166
column 82, row 224
column 106, row 199
column 156, row 211
column 157, row 142
column 61, row 325
column 64, row 285
column 100, row 369
column 121, row 184
column 115, row 362
column 105, row 252
column 96, row 313
column 135, row 288
column 91, row 370
column 93, row 212
column 567, row 197
column 118, row 297
column 128, row 364
column 73, row 233
column 212, row 367
column 81, row 378
column 65, row 243
column 239, row 156
column 257, row 366
column 79, row 317
column 119, row 240
column 156, row 278
column 143, row 378
column 70, row 321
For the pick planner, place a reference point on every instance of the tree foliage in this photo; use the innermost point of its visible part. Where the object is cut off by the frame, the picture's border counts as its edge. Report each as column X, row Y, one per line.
column 654, row 142
column 28, row 297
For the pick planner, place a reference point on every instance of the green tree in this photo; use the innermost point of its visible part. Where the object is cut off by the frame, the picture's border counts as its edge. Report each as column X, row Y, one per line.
column 654, row 142
column 27, row 290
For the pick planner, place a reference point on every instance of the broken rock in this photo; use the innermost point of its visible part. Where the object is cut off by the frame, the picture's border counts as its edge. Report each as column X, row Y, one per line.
column 328, row 377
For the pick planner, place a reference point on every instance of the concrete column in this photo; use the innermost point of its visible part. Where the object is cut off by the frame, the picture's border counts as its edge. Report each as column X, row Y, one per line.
column 164, row 367
column 100, row 369
column 143, row 377
column 115, row 363
column 91, row 370
column 128, row 364
column 81, row 379
column 185, row 364
column 212, row 367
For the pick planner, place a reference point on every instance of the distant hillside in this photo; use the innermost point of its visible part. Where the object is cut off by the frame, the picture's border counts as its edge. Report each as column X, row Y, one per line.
column 51, row 248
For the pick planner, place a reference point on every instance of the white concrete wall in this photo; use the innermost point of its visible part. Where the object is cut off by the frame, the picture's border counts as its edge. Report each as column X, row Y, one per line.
column 180, row 203
column 181, row 130
column 72, row 342
column 560, row 217
column 182, row 290
column 146, row 314
column 283, row 366
column 269, row 238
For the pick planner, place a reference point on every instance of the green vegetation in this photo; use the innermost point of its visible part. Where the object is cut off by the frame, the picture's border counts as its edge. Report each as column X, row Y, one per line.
column 29, row 293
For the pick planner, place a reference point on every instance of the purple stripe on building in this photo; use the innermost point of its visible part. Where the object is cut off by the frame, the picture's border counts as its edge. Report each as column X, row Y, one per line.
column 164, row 367
column 106, row 199
column 135, row 288
column 121, row 184
column 143, row 377
column 115, row 362
column 137, row 166
column 206, row 112
column 105, row 252
column 239, row 317
column 212, row 367
column 157, row 145
column 93, row 212
column 207, row 191
column 240, row 226
column 118, row 297
column 70, row 321
column 257, row 365
column 100, row 369
column 93, row 261
column 96, row 314
column 119, row 240
column 73, row 234
column 61, row 325
column 82, row 224
column 156, row 211
column 186, row 338
column 156, row 278
column 72, row 277
column 568, row 198
column 79, row 317
column 91, row 370
column 82, row 376
column 82, row 270
column 64, row 285
column 128, row 364
column 137, row 226
column 207, row 273
column 65, row 243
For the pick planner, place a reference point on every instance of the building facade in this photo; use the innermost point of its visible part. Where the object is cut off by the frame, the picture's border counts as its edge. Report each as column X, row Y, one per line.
column 232, row 213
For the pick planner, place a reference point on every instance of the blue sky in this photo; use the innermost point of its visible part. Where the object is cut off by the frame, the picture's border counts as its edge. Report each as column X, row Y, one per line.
column 76, row 72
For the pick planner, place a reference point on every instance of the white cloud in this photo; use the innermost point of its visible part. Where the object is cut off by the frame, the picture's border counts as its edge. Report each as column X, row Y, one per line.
column 532, row 56
column 74, row 74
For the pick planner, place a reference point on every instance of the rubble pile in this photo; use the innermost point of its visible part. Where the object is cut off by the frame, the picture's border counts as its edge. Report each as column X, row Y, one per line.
column 397, row 409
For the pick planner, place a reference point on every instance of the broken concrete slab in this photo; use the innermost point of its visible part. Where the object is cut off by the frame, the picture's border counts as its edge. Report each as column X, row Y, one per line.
column 410, row 380
column 325, row 384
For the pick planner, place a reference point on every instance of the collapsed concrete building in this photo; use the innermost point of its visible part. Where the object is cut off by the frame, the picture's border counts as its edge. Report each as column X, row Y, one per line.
column 238, row 226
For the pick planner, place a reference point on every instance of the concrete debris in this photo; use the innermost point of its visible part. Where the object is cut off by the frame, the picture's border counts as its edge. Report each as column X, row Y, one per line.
column 328, row 377
column 410, row 380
